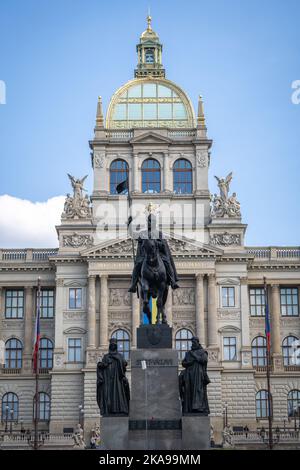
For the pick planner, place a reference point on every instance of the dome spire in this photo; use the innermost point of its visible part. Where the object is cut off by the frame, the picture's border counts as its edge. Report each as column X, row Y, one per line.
column 149, row 53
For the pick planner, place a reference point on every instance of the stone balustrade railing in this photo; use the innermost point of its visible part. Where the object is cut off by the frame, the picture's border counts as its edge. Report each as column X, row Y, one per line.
column 179, row 134
column 119, row 134
column 257, row 437
column 273, row 252
column 26, row 254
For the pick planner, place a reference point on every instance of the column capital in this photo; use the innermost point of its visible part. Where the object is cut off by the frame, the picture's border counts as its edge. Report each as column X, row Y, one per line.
column 199, row 276
column 211, row 278
column 60, row 282
column 275, row 286
column 103, row 276
column 92, row 276
column 244, row 281
column 29, row 288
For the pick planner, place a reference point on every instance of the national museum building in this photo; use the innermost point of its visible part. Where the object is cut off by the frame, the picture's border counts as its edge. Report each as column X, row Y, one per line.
column 152, row 140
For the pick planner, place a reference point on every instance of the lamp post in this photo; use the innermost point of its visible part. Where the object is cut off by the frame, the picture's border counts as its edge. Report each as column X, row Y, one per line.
column 226, row 414
column 6, row 417
column 11, row 420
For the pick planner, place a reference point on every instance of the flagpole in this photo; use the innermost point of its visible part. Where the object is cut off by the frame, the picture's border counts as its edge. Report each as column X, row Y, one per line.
column 36, row 437
column 267, row 320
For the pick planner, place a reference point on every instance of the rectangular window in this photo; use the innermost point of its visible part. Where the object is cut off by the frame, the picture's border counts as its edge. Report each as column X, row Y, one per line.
column 46, row 303
column 164, row 111
column 14, row 303
column 228, row 297
column 75, row 298
column 289, row 301
column 257, row 301
column 229, row 348
column 74, row 349
column 179, row 111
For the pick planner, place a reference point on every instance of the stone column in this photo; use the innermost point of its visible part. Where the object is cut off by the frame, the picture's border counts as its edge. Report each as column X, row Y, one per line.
column 169, row 307
column 135, row 168
column 166, row 183
column 199, row 304
column 28, row 321
column 92, row 311
column 103, row 311
column 2, row 304
column 135, row 312
column 275, row 319
column 59, row 307
column 245, row 327
column 212, row 312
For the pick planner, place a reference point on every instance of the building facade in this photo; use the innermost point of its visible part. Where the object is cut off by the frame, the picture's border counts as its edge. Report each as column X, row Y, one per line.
column 152, row 140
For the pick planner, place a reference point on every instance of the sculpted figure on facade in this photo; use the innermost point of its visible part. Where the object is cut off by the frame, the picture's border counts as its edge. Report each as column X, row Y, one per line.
column 223, row 204
column 78, row 206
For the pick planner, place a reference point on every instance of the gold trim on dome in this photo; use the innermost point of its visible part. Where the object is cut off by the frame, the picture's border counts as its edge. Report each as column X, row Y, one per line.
column 181, row 97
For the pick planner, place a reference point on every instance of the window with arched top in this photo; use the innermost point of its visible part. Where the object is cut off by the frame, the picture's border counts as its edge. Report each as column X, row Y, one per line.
column 43, row 407
column 13, row 354
column 259, row 351
column 119, row 174
column 262, row 404
column 182, row 177
column 183, row 342
column 123, row 342
column 10, row 407
column 293, row 403
column 46, row 353
column 290, row 345
column 151, row 176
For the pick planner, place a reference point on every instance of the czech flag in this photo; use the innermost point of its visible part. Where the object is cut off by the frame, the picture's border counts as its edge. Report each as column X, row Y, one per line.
column 267, row 319
column 37, row 336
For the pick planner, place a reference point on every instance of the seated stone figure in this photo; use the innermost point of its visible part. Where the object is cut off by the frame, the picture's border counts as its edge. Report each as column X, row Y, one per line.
column 112, row 385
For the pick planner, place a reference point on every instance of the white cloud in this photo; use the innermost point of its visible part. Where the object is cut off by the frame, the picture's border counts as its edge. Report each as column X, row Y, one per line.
column 27, row 224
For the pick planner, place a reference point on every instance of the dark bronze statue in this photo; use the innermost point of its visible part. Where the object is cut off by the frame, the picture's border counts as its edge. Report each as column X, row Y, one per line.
column 154, row 268
column 193, row 380
column 113, row 393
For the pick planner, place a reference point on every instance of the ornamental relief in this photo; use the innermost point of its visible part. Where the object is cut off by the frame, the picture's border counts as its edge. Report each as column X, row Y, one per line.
column 77, row 240
column 202, row 158
column 118, row 297
column 113, row 326
column 119, row 316
column 188, row 325
column 13, row 325
column 225, row 239
column 184, row 296
column 183, row 315
column 228, row 315
column 68, row 315
column 98, row 159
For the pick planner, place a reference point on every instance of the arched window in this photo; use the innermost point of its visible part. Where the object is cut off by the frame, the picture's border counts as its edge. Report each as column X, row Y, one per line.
column 151, row 176
column 262, row 404
column 118, row 174
column 10, row 407
column 46, row 354
column 123, row 341
column 290, row 344
column 293, row 403
column 182, row 177
column 259, row 351
column 43, row 407
column 183, row 341
column 13, row 354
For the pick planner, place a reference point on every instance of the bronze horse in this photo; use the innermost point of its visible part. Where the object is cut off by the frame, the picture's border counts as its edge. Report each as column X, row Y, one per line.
column 154, row 280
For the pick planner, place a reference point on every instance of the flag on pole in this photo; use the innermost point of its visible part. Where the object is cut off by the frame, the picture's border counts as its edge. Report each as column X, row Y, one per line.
column 267, row 319
column 121, row 187
column 37, row 335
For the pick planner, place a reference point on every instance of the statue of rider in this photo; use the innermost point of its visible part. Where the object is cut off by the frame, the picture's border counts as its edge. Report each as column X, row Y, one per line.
column 153, row 233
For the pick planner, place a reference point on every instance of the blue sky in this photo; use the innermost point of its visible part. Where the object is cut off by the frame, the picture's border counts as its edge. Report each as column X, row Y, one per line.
column 57, row 56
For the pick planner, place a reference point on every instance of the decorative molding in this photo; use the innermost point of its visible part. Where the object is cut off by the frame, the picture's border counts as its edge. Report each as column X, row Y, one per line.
column 184, row 296
column 228, row 315
column 98, row 159
column 202, row 158
column 118, row 297
column 74, row 330
column 72, row 315
column 225, row 239
column 77, row 240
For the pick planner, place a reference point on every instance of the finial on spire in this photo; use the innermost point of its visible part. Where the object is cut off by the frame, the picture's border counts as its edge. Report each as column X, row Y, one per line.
column 99, row 116
column 149, row 19
column 200, row 116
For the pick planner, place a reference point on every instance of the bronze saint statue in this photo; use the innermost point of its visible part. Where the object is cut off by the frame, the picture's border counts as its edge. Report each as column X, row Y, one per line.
column 193, row 380
column 113, row 393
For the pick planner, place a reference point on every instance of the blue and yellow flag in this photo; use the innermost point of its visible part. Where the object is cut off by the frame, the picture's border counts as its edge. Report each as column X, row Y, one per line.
column 153, row 309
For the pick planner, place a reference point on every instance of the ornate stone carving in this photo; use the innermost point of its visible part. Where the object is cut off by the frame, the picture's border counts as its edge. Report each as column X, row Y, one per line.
column 228, row 315
column 78, row 206
column 202, row 158
column 98, row 160
column 119, row 297
column 225, row 239
column 74, row 315
column 184, row 296
column 58, row 360
column 225, row 205
column 77, row 240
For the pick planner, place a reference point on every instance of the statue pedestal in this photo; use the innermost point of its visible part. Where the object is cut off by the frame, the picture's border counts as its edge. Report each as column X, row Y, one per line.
column 155, row 409
column 154, row 337
column 114, row 432
column 195, row 432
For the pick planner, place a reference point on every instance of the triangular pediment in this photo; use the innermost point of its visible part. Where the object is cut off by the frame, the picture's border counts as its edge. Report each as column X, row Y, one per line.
column 150, row 137
column 180, row 248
